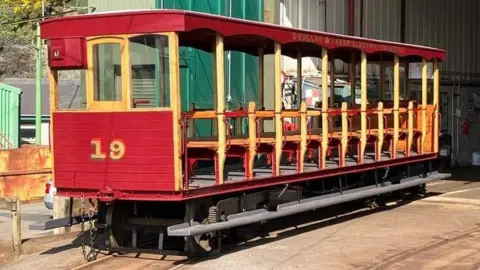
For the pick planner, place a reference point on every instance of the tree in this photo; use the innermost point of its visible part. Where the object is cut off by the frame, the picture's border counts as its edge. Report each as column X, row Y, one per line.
column 28, row 9
column 18, row 33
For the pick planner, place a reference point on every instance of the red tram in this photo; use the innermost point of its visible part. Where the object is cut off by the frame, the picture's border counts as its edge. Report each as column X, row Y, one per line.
column 130, row 146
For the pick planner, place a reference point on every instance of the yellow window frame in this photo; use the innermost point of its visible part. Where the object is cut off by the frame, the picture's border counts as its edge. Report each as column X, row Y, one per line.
column 125, row 102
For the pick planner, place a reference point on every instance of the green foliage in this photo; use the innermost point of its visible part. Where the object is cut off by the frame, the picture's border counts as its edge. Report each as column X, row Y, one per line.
column 28, row 9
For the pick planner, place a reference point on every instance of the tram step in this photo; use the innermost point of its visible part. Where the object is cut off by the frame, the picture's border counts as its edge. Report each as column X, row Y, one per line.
column 308, row 204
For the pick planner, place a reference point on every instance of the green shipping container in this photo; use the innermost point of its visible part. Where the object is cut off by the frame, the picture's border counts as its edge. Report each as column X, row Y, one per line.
column 9, row 116
column 241, row 74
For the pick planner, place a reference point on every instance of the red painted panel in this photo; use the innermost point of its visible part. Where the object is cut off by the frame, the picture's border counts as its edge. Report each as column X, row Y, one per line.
column 147, row 162
column 67, row 53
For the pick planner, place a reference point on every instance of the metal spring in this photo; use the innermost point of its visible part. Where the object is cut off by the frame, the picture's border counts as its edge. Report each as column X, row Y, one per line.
column 212, row 214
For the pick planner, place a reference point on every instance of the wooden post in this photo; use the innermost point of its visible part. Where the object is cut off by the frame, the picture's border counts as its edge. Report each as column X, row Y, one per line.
column 410, row 127
column 15, row 208
column 303, row 135
column 61, row 209
column 278, row 108
column 324, row 108
column 220, row 108
column 363, row 108
column 252, row 138
column 53, row 89
column 396, row 103
column 174, row 62
column 344, row 134
column 380, row 131
column 299, row 78
column 261, row 87
column 424, row 103
column 436, row 104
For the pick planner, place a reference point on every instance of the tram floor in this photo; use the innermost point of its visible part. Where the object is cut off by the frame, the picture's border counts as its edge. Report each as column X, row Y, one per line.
column 205, row 176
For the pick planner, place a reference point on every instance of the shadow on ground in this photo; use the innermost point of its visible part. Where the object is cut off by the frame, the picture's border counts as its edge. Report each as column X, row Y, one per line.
column 302, row 223
column 464, row 173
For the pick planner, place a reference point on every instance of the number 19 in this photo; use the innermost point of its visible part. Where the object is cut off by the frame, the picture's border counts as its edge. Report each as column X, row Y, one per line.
column 116, row 151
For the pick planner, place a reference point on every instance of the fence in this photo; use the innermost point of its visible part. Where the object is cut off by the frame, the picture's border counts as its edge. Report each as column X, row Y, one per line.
column 9, row 116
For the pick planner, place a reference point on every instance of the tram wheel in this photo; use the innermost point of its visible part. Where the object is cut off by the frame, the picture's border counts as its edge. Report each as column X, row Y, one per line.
column 116, row 218
column 202, row 245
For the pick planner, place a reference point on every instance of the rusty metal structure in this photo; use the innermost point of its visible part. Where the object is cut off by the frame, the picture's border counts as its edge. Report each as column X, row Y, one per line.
column 134, row 152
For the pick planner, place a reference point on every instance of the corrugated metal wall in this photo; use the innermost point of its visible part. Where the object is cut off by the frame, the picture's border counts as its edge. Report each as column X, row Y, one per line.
column 381, row 19
column 452, row 25
column 9, row 116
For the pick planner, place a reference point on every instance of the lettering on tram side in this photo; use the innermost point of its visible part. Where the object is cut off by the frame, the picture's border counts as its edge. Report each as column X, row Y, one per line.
column 341, row 42
column 116, row 151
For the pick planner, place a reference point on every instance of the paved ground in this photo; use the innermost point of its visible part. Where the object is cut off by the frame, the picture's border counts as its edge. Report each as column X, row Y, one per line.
column 381, row 240
column 441, row 231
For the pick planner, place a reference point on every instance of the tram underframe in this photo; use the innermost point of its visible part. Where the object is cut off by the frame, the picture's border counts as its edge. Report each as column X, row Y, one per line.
column 140, row 226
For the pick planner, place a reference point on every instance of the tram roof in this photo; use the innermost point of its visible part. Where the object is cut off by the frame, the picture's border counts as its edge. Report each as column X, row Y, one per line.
column 197, row 30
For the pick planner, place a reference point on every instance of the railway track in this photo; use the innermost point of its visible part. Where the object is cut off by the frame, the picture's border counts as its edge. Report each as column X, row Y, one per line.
column 136, row 261
column 449, row 258
column 133, row 261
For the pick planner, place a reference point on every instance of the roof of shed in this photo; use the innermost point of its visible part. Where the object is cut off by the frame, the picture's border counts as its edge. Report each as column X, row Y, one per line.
column 69, row 94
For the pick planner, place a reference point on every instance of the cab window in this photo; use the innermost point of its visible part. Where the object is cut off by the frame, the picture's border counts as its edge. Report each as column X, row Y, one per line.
column 149, row 71
column 107, row 77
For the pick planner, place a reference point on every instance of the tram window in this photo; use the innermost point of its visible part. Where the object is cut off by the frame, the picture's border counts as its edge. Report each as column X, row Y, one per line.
column 107, row 72
column 150, row 71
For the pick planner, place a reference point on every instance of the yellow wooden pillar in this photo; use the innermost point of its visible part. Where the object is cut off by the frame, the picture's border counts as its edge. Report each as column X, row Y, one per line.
column 252, row 138
column 363, row 108
column 278, row 107
column 424, row 104
column 220, row 108
column 324, row 107
column 174, row 62
column 396, row 103
column 53, row 89
column 436, row 104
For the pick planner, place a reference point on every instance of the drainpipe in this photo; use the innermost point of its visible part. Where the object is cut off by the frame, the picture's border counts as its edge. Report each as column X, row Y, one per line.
column 402, row 20
column 38, row 84
column 361, row 17
column 229, row 58
column 351, row 17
